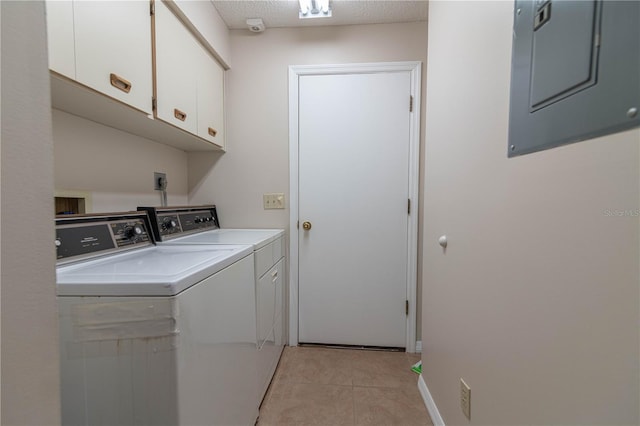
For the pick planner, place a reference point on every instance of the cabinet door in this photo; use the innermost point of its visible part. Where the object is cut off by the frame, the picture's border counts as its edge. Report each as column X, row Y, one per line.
column 210, row 98
column 269, row 300
column 176, row 55
column 266, row 303
column 113, row 49
column 62, row 55
column 279, row 296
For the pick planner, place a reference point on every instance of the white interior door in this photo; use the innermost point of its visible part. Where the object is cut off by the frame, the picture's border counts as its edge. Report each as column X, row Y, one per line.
column 353, row 188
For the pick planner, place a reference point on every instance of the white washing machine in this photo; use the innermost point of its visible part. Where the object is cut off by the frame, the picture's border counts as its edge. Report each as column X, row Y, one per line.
column 199, row 225
column 153, row 335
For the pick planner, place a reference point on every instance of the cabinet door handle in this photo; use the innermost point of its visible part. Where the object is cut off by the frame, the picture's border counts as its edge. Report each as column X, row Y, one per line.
column 213, row 132
column 274, row 276
column 179, row 114
column 120, row 83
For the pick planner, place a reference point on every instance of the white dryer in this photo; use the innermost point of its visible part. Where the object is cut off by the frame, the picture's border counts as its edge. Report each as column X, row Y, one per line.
column 199, row 225
column 152, row 335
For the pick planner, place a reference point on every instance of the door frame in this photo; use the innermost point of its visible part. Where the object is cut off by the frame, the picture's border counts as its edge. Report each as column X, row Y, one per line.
column 295, row 72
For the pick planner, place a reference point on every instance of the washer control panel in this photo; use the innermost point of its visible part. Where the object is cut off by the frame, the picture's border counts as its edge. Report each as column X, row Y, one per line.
column 83, row 236
column 172, row 222
column 169, row 224
column 127, row 233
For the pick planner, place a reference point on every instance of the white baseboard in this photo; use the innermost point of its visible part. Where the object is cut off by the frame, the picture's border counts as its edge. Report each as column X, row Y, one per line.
column 436, row 418
column 419, row 346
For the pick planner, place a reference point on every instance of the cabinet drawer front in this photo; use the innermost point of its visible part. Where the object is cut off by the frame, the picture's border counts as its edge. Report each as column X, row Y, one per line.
column 113, row 38
column 264, row 260
column 268, row 256
column 278, row 249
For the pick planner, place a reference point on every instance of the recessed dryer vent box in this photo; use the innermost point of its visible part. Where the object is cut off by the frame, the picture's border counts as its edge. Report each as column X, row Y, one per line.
column 575, row 72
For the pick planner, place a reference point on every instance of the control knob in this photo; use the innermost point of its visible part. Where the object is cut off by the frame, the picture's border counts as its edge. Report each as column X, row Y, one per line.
column 169, row 224
column 133, row 232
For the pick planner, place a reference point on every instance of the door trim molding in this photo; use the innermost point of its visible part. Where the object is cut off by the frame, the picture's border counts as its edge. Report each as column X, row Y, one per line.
column 295, row 72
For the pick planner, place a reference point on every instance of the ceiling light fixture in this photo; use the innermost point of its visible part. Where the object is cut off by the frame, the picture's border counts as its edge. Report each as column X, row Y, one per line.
column 314, row 9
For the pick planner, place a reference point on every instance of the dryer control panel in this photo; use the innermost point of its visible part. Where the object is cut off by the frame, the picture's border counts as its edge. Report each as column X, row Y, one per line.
column 86, row 236
column 172, row 222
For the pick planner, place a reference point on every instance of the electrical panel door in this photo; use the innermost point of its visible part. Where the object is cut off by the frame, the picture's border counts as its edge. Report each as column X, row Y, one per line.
column 575, row 72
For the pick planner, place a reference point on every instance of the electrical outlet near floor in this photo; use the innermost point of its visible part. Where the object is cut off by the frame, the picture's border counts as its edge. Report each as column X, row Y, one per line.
column 273, row 201
column 465, row 399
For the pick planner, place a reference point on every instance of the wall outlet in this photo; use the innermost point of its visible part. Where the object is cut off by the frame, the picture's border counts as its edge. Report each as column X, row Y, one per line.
column 465, row 399
column 273, row 201
column 159, row 181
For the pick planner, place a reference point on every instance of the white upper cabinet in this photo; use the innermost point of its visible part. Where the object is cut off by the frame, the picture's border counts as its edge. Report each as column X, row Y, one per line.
column 210, row 98
column 124, row 50
column 113, row 50
column 176, row 64
column 105, row 45
column 62, row 55
column 189, row 80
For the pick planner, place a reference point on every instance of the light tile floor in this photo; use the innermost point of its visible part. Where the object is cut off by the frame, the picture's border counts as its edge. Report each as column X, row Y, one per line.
column 323, row 386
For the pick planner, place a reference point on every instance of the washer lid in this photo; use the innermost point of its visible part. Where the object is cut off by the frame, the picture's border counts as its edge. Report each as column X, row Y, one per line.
column 154, row 271
column 256, row 237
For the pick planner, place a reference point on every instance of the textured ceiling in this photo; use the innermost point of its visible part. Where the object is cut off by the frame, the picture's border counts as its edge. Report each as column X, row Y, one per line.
column 284, row 13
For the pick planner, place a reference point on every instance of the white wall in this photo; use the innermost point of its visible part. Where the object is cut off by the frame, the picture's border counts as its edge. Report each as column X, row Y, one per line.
column 257, row 157
column 536, row 301
column 115, row 167
column 30, row 373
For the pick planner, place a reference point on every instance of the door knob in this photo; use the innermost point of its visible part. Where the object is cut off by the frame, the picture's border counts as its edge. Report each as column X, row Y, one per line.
column 306, row 225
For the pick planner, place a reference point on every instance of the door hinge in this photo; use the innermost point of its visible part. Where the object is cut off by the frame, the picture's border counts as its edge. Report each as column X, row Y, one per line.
column 411, row 103
column 408, row 205
column 154, row 104
column 152, row 8
column 406, row 307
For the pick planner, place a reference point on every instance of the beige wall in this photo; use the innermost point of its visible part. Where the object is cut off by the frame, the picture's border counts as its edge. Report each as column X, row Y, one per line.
column 535, row 302
column 114, row 167
column 30, row 376
column 257, row 157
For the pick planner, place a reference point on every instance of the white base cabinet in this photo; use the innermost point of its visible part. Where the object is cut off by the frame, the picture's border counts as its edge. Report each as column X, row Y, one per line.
column 270, row 325
column 269, row 295
column 270, row 271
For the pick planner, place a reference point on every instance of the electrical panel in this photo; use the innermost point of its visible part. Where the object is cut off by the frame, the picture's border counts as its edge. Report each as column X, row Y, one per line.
column 575, row 72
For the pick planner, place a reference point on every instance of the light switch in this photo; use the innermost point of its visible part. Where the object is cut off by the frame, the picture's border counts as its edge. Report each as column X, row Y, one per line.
column 273, row 200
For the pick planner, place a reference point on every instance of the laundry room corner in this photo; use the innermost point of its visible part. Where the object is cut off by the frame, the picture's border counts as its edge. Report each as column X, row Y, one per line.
column 257, row 158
